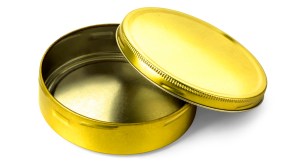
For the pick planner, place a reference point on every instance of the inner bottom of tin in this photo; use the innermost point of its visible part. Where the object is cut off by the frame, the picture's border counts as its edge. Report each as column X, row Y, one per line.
column 97, row 82
column 111, row 90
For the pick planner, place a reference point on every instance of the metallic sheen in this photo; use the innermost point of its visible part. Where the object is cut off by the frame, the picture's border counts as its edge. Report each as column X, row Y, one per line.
column 192, row 59
column 91, row 96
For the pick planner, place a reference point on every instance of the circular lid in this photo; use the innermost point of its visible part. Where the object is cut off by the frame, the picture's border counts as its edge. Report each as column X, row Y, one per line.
column 191, row 59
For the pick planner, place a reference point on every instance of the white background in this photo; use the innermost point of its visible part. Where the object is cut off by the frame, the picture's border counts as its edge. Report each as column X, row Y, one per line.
column 261, row 135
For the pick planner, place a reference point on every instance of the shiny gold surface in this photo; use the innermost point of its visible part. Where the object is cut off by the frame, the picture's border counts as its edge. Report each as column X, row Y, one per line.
column 92, row 97
column 191, row 59
column 113, row 91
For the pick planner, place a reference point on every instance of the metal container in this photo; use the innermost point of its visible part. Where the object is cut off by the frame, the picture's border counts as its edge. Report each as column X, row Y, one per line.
column 91, row 96
column 107, row 96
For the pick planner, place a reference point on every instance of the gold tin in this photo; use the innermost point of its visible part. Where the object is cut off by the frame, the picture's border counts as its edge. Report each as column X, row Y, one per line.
column 91, row 96
column 192, row 59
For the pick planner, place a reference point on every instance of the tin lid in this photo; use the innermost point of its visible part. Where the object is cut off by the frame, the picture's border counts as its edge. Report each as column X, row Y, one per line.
column 191, row 59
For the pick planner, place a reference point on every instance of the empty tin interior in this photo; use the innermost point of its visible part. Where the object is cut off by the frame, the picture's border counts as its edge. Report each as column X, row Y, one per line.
column 86, row 72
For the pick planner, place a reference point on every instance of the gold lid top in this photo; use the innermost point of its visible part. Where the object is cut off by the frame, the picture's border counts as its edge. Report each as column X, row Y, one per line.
column 191, row 59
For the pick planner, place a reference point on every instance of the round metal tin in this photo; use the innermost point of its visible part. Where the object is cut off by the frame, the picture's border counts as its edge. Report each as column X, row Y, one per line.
column 191, row 59
column 91, row 96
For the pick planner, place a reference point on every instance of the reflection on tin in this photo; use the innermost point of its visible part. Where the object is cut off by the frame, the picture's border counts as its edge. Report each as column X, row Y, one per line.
column 113, row 91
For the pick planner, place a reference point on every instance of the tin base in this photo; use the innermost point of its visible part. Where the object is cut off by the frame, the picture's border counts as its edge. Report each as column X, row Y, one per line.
column 93, row 98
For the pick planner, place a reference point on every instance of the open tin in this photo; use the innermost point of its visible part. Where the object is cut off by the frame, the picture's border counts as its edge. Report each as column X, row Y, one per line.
column 102, row 87
column 91, row 96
